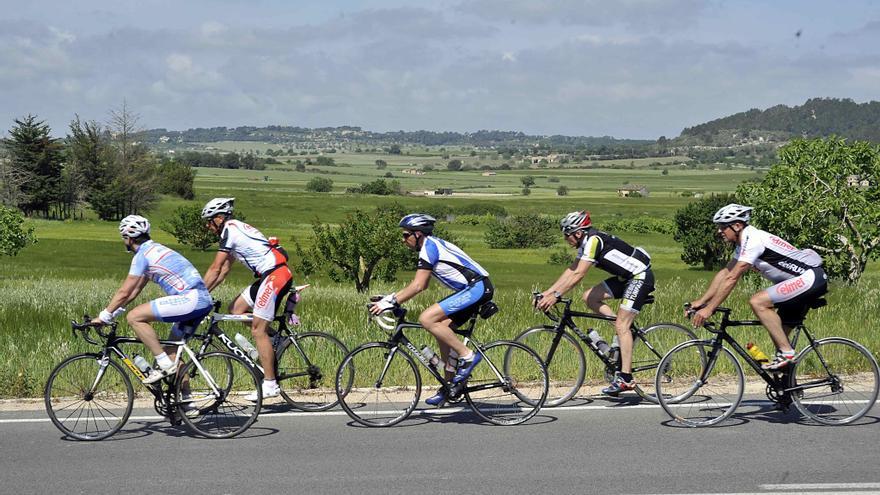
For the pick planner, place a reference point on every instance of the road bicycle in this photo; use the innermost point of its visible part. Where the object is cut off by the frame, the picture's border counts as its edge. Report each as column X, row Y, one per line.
column 90, row 397
column 566, row 362
column 305, row 362
column 508, row 387
column 833, row 381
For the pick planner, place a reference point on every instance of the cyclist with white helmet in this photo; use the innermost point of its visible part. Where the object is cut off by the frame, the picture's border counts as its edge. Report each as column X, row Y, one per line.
column 456, row 270
column 267, row 260
column 797, row 274
column 186, row 303
column 632, row 281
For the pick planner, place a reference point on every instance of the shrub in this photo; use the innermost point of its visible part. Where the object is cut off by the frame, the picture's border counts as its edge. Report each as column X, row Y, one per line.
column 319, row 184
column 14, row 234
column 188, row 227
column 482, row 209
column 561, row 257
column 523, row 231
column 641, row 225
column 694, row 229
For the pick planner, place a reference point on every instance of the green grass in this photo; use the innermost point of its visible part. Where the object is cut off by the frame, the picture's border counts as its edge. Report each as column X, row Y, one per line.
column 77, row 266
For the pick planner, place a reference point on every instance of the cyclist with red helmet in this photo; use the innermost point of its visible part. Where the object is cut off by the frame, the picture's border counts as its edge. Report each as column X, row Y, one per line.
column 632, row 281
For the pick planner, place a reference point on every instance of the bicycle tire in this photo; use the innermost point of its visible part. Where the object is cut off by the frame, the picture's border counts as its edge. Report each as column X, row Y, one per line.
column 851, row 381
column 517, row 389
column 229, row 413
column 310, row 388
column 568, row 366
column 648, row 350
column 70, row 406
column 693, row 402
column 367, row 400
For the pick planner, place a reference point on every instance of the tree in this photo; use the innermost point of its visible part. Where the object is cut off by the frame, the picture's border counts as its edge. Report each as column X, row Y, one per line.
column 526, row 191
column 381, row 164
column 36, row 157
column 523, row 231
column 300, row 166
column 188, row 227
column 325, row 161
column 176, row 178
column 824, row 194
column 319, row 184
column 698, row 236
column 14, row 235
column 454, row 165
column 527, row 181
column 363, row 247
column 394, row 149
column 562, row 190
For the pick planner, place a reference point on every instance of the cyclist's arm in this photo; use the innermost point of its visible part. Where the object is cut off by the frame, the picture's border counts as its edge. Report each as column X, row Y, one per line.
column 218, row 270
column 726, row 284
column 569, row 278
column 419, row 283
column 713, row 286
column 130, row 289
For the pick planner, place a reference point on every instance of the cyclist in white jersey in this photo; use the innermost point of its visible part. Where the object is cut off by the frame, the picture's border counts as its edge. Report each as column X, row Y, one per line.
column 456, row 270
column 797, row 274
column 632, row 281
column 185, row 305
column 268, row 262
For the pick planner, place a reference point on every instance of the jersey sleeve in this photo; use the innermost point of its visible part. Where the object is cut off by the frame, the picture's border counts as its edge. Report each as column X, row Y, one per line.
column 589, row 249
column 750, row 249
column 226, row 244
column 429, row 255
column 138, row 266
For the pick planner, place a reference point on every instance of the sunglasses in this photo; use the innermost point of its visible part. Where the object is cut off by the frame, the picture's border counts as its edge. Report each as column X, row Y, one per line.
column 407, row 235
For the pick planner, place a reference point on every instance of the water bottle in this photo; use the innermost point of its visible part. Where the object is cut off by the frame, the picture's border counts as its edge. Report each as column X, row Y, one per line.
column 142, row 364
column 756, row 353
column 432, row 358
column 597, row 341
column 246, row 346
column 614, row 353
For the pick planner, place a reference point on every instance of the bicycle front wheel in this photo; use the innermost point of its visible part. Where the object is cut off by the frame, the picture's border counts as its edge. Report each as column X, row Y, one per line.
column 835, row 381
column 511, row 384
column 567, row 366
column 307, row 365
column 648, row 349
column 86, row 402
column 218, row 384
column 700, row 386
column 378, row 384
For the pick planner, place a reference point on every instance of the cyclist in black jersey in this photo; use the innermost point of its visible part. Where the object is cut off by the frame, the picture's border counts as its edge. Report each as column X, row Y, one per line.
column 797, row 274
column 632, row 281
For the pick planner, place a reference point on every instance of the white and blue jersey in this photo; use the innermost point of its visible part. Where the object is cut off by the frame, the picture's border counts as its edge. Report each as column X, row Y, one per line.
column 449, row 264
column 187, row 299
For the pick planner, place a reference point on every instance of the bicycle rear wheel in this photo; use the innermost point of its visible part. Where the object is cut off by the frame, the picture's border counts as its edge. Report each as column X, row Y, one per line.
column 85, row 403
column 378, row 384
column 307, row 370
column 836, row 381
column 218, row 390
column 699, row 387
column 510, row 386
column 566, row 369
column 649, row 349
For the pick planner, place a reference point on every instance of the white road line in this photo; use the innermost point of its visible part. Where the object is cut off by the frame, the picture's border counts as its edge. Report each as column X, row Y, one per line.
column 821, row 486
column 848, row 492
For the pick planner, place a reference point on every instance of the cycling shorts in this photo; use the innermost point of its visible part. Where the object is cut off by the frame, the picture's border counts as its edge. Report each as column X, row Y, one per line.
column 464, row 304
column 791, row 297
column 633, row 292
column 185, row 310
column 265, row 295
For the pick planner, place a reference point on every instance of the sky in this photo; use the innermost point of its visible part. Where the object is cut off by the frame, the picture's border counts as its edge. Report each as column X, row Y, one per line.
column 623, row 68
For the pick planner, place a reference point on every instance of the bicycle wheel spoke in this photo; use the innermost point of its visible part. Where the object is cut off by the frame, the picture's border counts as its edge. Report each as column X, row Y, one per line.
column 520, row 391
column 567, row 366
column 307, row 369
column 373, row 404
column 648, row 349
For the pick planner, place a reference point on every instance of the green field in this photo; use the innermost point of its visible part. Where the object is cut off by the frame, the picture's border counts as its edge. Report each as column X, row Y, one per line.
column 76, row 266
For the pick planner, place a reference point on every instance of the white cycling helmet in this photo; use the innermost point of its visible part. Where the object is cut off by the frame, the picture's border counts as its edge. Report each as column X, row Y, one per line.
column 217, row 206
column 418, row 221
column 134, row 226
column 733, row 213
column 575, row 221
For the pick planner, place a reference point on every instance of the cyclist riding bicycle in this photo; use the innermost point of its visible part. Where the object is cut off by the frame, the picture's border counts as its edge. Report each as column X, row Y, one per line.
column 265, row 258
column 632, row 281
column 187, row 302
column 797, row 273
column 456, row 270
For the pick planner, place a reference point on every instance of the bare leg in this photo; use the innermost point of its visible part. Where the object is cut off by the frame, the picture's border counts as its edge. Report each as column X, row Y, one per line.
column 139, row 319
column 437, row 324
column 763, row 308
column 622, row 326
column 595, row 298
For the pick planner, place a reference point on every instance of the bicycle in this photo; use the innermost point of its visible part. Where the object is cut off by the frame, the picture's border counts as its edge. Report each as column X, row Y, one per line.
column 90, row 397
column 566, row 362
column 305, row 363
column 387, row 383
column 815, row 382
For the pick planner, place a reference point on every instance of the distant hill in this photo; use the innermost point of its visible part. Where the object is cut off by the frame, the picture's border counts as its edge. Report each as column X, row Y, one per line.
column 817, row 117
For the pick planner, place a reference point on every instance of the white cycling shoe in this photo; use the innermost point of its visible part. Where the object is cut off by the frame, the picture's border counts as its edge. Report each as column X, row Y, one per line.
column 268, row 392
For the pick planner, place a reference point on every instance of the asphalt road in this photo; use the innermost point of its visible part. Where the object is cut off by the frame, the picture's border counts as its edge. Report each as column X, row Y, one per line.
column 595, row 445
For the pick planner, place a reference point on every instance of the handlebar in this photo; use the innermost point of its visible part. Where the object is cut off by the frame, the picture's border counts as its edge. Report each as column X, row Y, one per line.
column 87, row 325
column 537, row 296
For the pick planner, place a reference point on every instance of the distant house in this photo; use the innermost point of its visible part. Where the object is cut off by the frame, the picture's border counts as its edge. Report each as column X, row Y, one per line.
column 489, row 173
column 628, row 190
column 414, row 171
column 856, row 181
column 164, row 139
